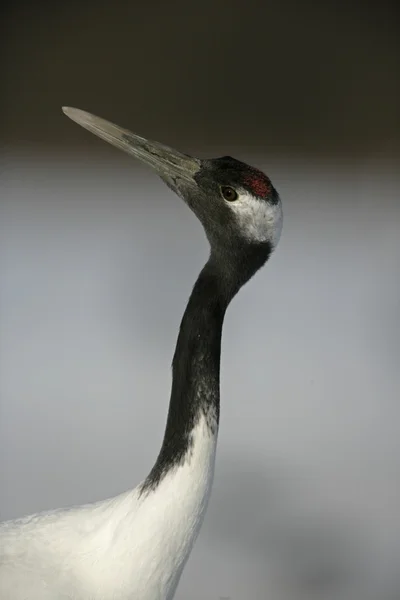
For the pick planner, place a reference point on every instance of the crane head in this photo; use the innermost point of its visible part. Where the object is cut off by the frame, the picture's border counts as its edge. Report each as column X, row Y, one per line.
column 238, row 206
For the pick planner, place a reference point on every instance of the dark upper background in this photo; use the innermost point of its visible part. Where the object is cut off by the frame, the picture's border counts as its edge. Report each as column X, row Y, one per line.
column 285, row 77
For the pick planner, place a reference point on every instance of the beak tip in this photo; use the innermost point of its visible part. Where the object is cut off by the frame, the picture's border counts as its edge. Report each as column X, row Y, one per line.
column 76, row 114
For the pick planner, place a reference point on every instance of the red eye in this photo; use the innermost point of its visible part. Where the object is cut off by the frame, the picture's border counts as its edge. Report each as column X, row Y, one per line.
column 229, row 193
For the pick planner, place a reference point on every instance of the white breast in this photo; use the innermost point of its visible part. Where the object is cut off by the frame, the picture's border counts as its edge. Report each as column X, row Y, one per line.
column 128, row 547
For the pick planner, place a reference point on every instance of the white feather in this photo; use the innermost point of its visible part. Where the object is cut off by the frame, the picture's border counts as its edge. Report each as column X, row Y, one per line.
column 258, row 220
column 129, row 547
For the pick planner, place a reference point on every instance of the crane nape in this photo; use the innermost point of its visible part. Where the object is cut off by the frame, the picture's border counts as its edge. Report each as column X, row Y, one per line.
column 134, row 546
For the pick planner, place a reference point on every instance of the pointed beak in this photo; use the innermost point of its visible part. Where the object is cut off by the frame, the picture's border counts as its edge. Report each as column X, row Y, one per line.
column 168, row 163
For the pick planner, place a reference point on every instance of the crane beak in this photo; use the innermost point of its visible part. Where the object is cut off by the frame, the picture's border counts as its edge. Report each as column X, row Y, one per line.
column 168, row 163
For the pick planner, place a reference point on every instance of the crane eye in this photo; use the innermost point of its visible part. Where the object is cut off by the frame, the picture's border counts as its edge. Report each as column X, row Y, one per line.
column 229, row 193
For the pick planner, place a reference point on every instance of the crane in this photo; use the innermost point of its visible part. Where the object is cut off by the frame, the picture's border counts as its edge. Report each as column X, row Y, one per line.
column 134, row 546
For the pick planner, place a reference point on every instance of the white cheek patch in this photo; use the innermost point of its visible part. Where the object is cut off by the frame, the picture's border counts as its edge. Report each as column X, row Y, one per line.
column 258, row 220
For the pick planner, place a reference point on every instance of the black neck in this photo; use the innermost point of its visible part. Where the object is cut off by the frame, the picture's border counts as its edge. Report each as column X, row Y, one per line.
column 195, row 371
column 196, row 363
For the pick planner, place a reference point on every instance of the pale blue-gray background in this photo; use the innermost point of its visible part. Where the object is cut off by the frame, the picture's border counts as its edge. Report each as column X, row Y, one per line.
column 98, row 259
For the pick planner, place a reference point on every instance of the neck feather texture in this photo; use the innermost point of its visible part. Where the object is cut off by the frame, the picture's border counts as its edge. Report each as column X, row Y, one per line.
column 196, row 371
column 196, row 363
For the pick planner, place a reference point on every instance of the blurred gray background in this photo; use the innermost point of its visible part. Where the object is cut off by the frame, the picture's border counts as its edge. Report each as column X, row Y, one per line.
column 97, row 259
